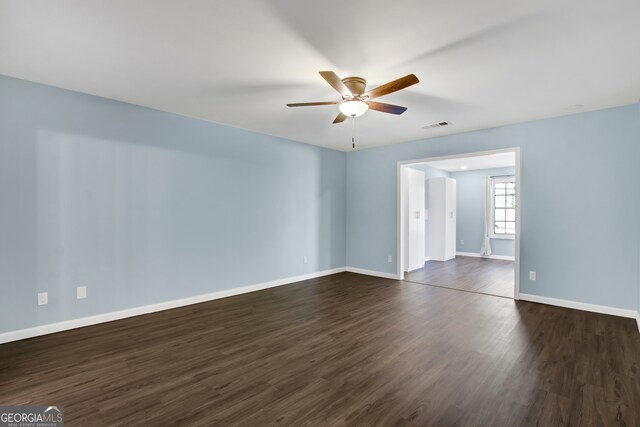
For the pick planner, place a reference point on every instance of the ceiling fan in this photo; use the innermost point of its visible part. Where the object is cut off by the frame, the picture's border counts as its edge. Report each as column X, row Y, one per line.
column 355, row 101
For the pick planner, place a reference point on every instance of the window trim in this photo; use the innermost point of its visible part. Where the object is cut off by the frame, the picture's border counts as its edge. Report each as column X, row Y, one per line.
column 494, row 180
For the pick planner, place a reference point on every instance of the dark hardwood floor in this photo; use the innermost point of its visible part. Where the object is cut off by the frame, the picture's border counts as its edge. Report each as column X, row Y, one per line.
column 345, row 349
column 487, row 276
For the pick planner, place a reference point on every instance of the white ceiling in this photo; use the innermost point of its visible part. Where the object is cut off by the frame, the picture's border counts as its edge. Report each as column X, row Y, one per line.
column 238, row 62
column 491, row 161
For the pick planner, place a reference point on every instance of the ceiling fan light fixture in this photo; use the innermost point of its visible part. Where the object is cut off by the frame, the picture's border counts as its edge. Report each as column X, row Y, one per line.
column 353, row 108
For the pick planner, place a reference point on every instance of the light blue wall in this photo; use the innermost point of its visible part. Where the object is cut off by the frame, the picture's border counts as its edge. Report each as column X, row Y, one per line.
column 470, row 195
column 429, row 172
column 143, row 206
column 580, row 178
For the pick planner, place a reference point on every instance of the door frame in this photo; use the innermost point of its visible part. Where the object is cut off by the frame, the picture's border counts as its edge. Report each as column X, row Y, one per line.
column 401, row 165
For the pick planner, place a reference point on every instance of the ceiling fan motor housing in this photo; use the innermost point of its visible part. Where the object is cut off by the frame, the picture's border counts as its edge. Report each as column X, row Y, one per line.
column 355, row 84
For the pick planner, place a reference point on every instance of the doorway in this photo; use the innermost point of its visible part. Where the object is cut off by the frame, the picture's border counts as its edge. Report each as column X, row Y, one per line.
column 470, row 221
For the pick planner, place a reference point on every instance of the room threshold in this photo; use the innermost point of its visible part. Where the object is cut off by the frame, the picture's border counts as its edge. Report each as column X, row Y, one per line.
column 456, row 289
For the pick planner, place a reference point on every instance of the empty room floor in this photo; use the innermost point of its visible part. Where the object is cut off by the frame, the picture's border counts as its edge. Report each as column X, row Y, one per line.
column 487, row 276
column 345, row 349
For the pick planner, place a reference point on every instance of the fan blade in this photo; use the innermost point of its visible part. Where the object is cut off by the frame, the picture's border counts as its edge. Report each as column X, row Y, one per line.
column 386, row 108
column 340, row 118
column 310, row 104
column 336, row 83
column 393, row 86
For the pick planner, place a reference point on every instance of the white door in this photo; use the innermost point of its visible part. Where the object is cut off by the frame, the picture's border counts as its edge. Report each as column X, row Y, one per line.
column 442, row 218
column 414, row 219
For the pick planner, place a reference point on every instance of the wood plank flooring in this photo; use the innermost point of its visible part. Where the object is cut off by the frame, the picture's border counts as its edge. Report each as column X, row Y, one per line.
column 483, row 275
column 341, row 350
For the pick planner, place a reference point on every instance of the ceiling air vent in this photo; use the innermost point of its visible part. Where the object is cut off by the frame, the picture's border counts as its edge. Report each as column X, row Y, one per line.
column 436, row 125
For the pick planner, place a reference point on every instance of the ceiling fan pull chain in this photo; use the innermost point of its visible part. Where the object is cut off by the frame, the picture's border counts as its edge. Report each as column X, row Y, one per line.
column 353, row 137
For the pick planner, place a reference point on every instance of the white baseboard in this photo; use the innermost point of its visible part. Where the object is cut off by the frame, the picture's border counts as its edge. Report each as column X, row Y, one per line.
column 638, row 321
column 372, row 273
column 152, row 308
column 622, row 312
column 427, row 259
column 473, row 254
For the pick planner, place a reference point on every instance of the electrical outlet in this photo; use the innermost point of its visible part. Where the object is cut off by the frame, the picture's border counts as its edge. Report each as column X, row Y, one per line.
column 532, row 276
column 389, row 258
column 81, row 292
column 306, row 259
column 462, row 242
column 43, row 298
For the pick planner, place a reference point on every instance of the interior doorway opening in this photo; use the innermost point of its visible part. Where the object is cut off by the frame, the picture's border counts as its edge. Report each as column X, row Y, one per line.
column 459, row 221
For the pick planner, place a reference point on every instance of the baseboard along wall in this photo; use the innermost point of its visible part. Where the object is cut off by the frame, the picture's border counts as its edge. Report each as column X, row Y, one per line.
column 372, row 273
column 603, row 309
column 152, row 308
column 475, row 255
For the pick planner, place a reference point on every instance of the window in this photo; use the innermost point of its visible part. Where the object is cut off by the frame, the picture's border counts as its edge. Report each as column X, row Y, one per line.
column 503, row 207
